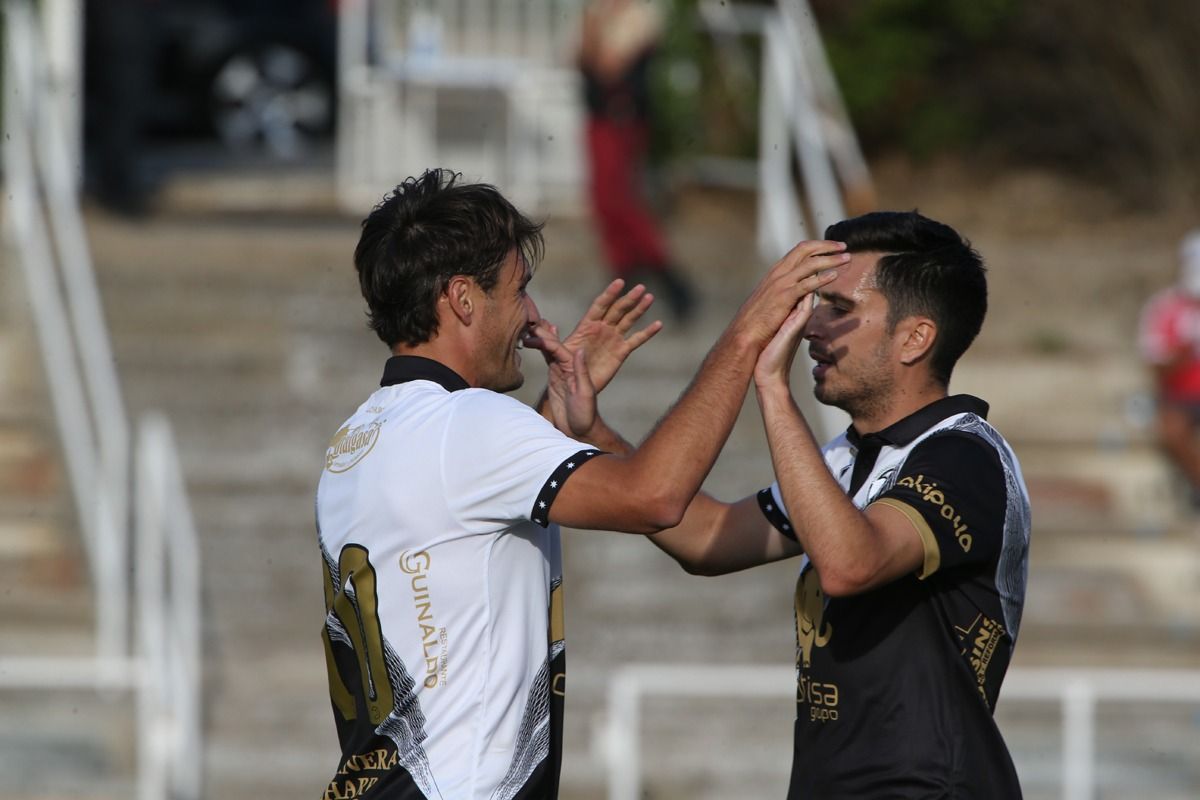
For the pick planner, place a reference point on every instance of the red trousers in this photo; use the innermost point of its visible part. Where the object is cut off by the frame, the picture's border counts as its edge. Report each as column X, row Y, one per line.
column 629, row 232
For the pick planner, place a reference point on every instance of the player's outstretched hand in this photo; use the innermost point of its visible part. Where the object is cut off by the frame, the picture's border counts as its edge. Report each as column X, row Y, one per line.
column 806, row 268
column 606, row 332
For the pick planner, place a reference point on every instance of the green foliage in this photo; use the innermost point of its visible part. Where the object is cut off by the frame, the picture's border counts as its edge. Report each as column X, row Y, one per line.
column 677, row 120
column 897, row 62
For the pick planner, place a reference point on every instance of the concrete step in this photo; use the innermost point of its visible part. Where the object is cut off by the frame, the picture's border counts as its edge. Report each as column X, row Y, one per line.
column 66, row 745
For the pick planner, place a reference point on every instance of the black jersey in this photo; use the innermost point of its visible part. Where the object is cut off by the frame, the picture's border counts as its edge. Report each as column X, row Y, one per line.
column 896, row 686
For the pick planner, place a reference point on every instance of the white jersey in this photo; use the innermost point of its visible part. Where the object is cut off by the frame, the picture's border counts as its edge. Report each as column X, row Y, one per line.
column 443, row 590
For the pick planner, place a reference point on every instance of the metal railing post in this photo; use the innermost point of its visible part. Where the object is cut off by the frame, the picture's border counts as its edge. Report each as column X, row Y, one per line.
column 1078, row 720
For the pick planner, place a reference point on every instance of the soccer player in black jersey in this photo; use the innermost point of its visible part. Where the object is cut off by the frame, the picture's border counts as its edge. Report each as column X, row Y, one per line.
column 913, row 526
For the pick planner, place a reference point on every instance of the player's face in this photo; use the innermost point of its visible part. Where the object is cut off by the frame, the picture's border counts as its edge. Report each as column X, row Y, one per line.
column 850, row 343
column 509, row 314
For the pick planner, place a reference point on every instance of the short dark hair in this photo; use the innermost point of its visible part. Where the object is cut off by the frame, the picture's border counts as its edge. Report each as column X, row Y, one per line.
column 928, row 269
column 423, row 233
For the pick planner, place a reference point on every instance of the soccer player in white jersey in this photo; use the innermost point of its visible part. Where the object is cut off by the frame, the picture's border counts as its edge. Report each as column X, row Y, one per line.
column 440, row 498
column 912, row 526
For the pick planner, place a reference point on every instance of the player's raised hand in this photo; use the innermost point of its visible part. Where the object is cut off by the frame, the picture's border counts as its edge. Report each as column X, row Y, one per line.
column 606, row 332
column 775, row 361
column 806, row 268
column 569, row 401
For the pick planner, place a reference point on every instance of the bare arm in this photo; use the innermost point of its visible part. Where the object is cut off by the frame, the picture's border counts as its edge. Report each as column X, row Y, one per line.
column 717, row 538
column 851, row 550
column 650, row 488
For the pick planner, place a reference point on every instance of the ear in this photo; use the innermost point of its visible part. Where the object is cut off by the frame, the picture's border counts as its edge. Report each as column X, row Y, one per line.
column 459, row 298
column 915, row 336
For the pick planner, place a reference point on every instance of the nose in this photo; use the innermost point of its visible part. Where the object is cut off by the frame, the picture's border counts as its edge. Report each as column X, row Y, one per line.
column 813, row 329
column 532, row 316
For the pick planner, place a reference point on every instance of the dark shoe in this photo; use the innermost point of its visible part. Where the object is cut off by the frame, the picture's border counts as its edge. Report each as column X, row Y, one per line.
column 680, row 295
column 669, row 284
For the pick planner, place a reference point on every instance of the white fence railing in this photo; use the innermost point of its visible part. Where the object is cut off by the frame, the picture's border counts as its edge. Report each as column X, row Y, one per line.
column 46, row 231
column 406, row 66
column 1077, row 691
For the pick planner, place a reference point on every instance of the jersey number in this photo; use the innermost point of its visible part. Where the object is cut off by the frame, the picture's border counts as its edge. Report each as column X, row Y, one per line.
column 357, row 607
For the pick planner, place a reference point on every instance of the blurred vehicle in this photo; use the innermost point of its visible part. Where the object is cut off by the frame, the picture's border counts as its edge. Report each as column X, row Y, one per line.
column 256, row 75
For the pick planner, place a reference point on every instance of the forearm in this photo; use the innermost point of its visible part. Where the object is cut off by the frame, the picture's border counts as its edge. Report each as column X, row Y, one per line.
column 836, row 535
column 607, row 439
column 690, row 542
column 717, row 538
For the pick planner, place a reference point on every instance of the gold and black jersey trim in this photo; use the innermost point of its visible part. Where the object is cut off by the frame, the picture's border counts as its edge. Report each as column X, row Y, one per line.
column 933, row 554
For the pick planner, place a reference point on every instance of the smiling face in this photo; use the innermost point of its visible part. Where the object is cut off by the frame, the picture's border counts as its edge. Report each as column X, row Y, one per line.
column 508, row 314
column 855, row 352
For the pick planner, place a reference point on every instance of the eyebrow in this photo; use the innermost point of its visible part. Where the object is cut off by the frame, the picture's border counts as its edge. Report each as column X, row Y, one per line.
column 836, row 297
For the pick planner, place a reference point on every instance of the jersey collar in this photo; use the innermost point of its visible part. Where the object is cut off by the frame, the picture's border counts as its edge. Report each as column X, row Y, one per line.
column 906, row 430
column 402, row 369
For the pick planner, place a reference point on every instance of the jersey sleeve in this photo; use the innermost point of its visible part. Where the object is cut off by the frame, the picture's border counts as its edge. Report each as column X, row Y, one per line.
column 502, row 461
column 952, row 489
column 770, row 502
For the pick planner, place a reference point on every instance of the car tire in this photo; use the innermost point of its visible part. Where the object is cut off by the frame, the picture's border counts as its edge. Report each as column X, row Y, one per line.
column 272, row 97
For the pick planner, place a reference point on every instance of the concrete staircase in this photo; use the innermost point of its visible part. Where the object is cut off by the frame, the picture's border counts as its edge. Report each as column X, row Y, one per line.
column 247, row 329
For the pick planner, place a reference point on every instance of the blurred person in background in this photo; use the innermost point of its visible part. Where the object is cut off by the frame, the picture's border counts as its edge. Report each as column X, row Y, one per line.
column 439, row 503
column 913, row 526
column 1169, row 340
column 617, row 46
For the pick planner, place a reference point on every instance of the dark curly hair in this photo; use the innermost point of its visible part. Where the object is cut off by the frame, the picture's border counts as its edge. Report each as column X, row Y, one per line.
column 926, row 269
column 423, row 233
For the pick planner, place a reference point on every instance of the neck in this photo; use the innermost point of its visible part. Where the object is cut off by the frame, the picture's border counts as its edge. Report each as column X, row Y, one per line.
column 445, row 352
column 903, row 402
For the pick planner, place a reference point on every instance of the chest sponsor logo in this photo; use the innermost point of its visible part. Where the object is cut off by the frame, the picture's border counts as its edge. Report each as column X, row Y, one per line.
column 931, row 494
column 811, row 629
column 351, row 445
column 435, row 641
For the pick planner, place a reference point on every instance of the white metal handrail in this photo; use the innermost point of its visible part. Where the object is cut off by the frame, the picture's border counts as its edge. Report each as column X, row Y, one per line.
column 72, row 335
column 1077, row 690
column 169, row 602
column 46, row 229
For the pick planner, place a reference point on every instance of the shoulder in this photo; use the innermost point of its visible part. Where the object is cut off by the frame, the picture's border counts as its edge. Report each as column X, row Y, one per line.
column 960, row 449
column 484, row 404
column 481, row 415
